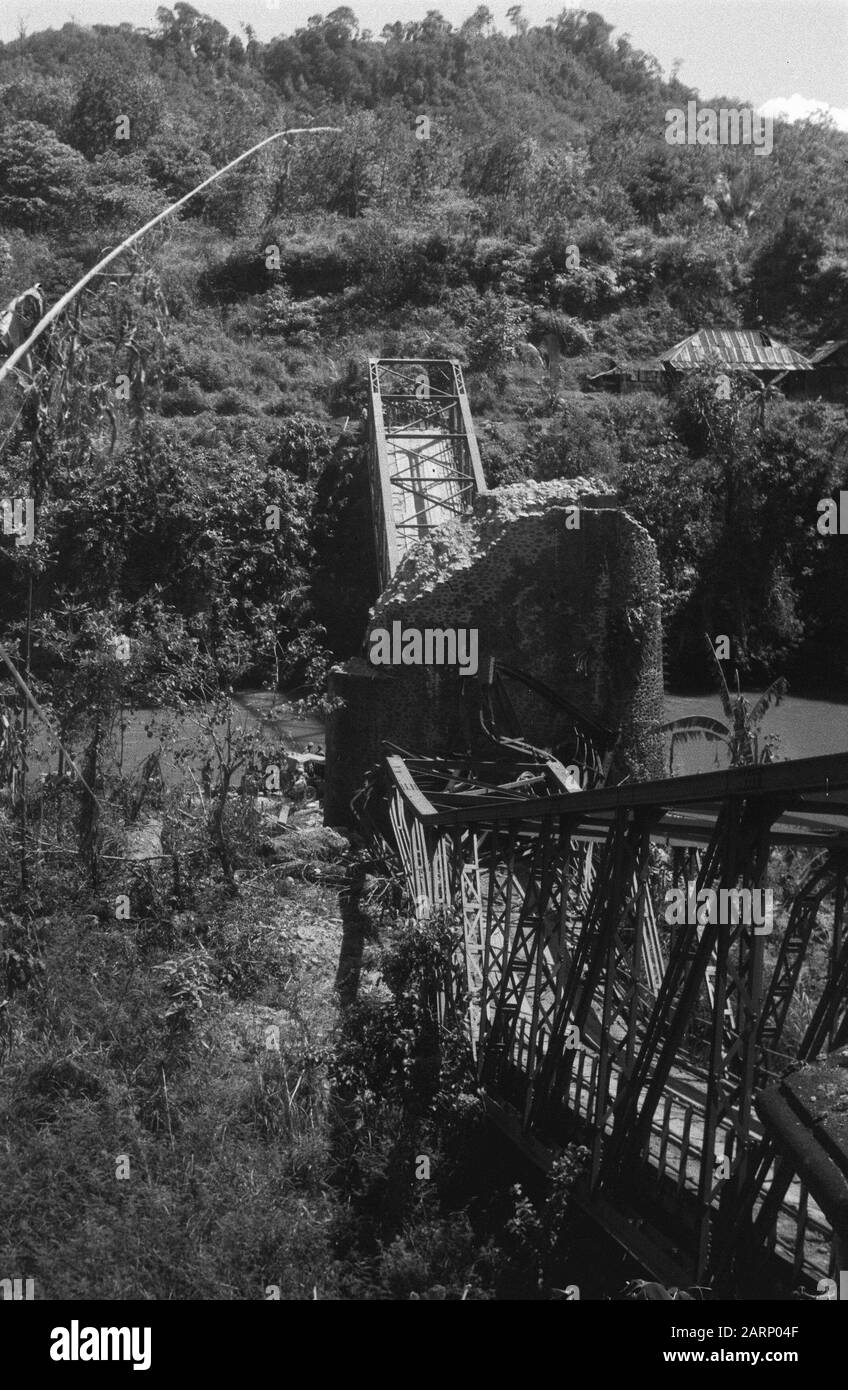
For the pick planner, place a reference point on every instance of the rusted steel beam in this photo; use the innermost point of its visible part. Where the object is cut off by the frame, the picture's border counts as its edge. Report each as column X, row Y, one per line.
column 468, row 424
column 816, row 886
column 796, row 1116
column 381, row 492
column 786, row 780
column 539, row 906
column 606, row 966
column 408, row 788
column 836, row 938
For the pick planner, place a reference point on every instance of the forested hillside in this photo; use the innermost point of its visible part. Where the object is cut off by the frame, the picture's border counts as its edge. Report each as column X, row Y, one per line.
column 483, row 190
column 227, row 1066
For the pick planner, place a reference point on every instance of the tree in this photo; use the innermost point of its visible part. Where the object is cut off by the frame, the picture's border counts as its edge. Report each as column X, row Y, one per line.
column 302, row 448
column 339, row 173
column 108, row 93
column 185, row 27
column 120, row 189
column 211, row 40
column 341, row 26
column 252, row 47
column 756, row 601
column 177, row 161
column 478, row 24
column 515, row 15
column 47, row 100
column 434, row 25
column 493, row 169
column 41, row 179
column 787, row 262
column 167, row 22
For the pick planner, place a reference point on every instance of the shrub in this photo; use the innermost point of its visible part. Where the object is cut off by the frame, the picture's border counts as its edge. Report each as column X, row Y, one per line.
column 178, row 163
column 496, row 326
column 236, row 402
column 188, row 399
column 389, row 268
column 41, row 179
column 585, row 447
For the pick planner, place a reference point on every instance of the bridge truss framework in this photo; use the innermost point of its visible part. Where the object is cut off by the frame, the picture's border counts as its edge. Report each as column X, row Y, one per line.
column 424, row 463
column 590, row 1023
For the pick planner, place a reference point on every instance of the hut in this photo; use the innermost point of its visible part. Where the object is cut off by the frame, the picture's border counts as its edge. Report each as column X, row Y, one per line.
column 624, row 377
column 736, row 350
column 828, row 380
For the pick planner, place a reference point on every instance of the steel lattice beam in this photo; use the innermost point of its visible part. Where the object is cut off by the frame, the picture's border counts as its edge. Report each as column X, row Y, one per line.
column 424, row 464
column 554, row 892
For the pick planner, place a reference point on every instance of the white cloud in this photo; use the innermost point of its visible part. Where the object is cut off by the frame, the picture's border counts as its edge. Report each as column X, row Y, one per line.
column 797, row 108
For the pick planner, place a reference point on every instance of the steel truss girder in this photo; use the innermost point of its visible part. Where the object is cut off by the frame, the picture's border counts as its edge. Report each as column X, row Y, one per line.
column 554, row 921
column 440, row 415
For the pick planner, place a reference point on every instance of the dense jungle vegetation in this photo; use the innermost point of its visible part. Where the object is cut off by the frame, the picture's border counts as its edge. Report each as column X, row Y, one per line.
column 186, row 1111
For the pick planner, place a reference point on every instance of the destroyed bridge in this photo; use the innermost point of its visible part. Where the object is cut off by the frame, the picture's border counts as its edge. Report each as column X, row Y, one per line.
column 534, row 807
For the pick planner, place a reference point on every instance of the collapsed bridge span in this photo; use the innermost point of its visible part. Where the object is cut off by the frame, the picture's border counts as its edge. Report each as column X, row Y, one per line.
column 534, row 809
column 594, row 1021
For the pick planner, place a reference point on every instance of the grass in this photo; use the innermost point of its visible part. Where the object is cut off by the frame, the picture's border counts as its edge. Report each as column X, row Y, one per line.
column 190, row 1113
column 147, row 1040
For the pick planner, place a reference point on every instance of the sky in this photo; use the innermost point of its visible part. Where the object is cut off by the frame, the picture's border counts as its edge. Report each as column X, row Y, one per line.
column 755, row 50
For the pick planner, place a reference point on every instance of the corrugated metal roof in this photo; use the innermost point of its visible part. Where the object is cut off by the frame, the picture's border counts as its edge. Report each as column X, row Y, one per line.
column 737, row 348
column 828, row 349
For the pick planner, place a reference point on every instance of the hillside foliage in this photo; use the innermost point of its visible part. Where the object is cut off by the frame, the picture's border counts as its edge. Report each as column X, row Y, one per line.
column 224, row 363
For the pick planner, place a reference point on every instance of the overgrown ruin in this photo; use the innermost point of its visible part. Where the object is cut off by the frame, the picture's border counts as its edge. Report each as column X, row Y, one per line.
column 559, row 582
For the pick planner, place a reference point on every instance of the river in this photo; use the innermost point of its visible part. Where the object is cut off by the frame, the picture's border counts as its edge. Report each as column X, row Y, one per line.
column 145, row 731
column 803, row 728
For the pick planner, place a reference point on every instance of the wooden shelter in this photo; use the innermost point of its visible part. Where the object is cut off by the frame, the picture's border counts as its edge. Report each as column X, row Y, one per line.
column 828, row 379
column 735, row 350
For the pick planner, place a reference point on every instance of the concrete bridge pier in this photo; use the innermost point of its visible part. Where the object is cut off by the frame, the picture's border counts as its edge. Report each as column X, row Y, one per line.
column 557, row 582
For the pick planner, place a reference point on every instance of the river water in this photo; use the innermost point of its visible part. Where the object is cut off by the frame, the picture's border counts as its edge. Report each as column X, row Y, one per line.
column 280, row 721
column 803, row 728
column 279, row 717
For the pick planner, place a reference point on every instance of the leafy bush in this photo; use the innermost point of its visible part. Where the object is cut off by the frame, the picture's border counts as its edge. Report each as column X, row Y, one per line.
column 41, row 179
column 177, row 162
column 388, row 268
column 497, row 325
column 111, row 90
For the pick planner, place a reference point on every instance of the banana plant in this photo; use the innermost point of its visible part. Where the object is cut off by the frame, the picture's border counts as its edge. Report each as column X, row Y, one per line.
column 740, row 735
